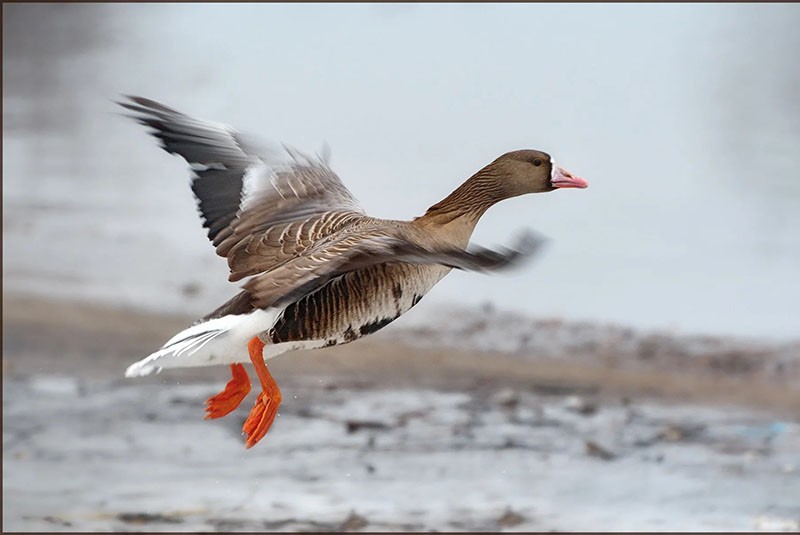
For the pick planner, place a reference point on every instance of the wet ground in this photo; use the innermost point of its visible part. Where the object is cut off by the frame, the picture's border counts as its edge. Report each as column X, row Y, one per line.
column 84, row 455
column 85, row 449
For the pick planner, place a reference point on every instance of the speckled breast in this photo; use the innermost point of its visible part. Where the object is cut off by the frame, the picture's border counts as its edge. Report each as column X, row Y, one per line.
column 357, row 304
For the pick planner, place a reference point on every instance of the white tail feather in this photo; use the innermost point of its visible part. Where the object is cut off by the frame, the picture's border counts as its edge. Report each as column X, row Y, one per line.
column 219, row 341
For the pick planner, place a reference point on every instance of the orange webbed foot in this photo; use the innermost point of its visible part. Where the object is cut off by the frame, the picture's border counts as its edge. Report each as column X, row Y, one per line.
column 266, row 407
column 261, row 417
column 232, row 396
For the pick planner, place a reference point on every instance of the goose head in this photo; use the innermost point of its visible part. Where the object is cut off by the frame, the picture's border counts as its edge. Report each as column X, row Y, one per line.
column 531, row 171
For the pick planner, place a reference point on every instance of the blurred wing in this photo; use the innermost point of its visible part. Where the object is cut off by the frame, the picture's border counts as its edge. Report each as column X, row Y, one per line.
column 477, row 258
column 261, row 204
column 334, row 257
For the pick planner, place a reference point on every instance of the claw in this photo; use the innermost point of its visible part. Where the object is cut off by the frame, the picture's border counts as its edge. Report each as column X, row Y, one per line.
column 231, row 396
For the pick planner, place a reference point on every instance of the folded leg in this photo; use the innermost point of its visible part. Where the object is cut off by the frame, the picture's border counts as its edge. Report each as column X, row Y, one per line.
column 266, row 407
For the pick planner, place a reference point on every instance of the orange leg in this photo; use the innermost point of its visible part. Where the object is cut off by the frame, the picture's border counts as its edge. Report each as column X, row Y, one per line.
column 233, row 394
column 266, row 407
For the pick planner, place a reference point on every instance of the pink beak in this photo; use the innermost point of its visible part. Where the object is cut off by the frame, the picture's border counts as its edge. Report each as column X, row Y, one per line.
column 561, row 178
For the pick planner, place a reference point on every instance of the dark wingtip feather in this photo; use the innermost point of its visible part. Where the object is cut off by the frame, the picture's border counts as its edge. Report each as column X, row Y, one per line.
column 151, row 105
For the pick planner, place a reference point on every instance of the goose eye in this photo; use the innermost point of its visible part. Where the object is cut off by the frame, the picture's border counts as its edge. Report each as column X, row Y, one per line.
column 537, row 162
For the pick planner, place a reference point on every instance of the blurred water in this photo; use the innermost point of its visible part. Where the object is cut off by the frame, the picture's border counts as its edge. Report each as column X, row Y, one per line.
column 684, row 118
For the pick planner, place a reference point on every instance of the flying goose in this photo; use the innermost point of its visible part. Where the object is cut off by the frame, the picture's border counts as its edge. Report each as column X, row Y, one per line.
column 319, row 271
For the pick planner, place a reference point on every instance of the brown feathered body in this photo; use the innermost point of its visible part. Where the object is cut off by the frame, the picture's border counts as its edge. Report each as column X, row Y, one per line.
column 357, row 304
column 318, row 271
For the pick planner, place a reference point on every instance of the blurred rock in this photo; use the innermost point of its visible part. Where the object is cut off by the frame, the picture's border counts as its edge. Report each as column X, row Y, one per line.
column 148, row 518
column 581, row 405
column 679, row 432
column 507, row 398
column 57, row 520
column 354, row 426
column 354, row 522
column 509, row 519
column 593, row 449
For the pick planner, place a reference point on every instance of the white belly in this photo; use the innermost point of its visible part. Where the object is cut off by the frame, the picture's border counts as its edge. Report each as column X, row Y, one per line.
column 218, row 341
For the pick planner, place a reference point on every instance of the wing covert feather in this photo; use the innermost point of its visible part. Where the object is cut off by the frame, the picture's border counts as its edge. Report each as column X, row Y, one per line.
column 248, row 191
column 334, row 257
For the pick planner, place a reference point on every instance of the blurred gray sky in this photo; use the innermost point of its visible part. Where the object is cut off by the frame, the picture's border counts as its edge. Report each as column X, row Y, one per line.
column 684, row 117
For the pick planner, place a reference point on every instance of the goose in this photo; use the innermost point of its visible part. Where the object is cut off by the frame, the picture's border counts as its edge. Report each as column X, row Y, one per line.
column 318, row 270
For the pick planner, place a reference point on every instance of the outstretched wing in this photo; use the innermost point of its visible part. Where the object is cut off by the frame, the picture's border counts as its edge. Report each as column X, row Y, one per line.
column 356, row 250
column 261, row 204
